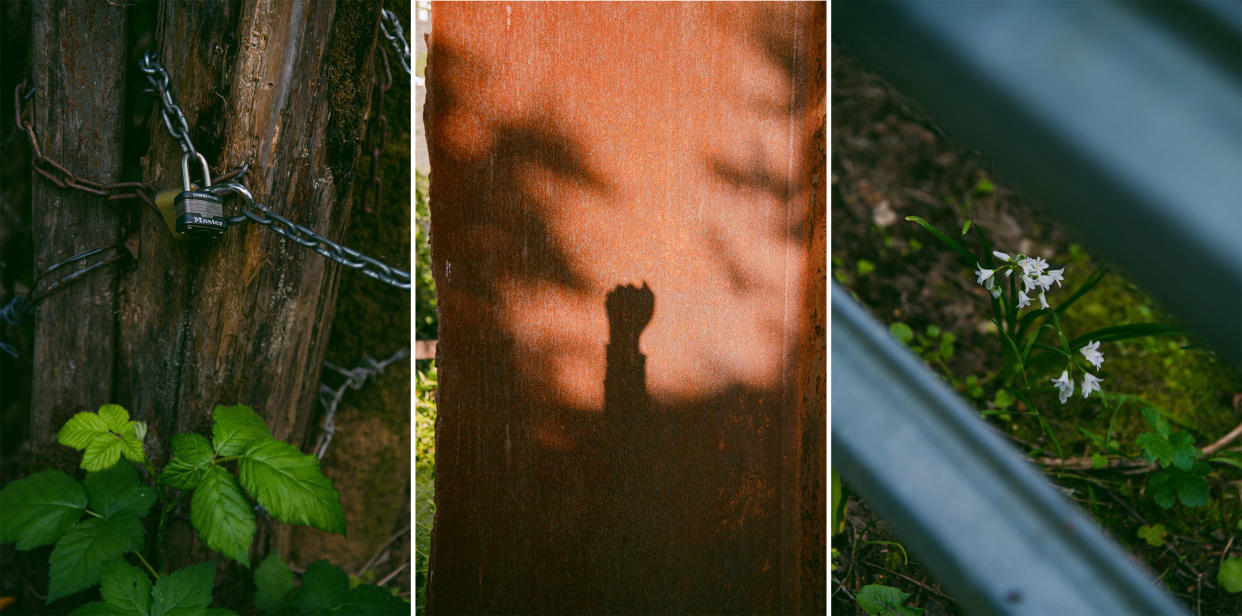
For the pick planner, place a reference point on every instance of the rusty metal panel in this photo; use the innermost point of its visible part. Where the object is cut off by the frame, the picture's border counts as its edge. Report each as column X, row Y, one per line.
column 627, row 237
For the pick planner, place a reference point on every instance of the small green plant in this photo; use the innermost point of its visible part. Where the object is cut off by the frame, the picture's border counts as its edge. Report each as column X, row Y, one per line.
column 1153, row 535
column 1230, row 575
column 324, row 589
column 95, row 524
column 881, row 600
column 1035, row 346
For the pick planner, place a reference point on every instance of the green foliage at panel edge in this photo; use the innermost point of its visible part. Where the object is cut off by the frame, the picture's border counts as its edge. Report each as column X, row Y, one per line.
column 324, row 589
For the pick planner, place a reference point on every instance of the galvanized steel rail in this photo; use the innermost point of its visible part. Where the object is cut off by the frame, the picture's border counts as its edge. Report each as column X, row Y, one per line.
column 984, row 522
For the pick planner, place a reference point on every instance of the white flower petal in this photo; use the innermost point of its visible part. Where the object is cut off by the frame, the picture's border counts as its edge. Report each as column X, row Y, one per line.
column 1000, row 255
column 1043, row 303
column 1023, row 300
column 1089, row 384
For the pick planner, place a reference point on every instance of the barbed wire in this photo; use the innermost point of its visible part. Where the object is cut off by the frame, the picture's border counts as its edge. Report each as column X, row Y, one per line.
column 330, row 397
column 21, row 307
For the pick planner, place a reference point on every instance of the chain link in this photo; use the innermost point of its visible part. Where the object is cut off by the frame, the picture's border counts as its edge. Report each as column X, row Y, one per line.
column 174, row 117
column 330, row 397
column 396, row 38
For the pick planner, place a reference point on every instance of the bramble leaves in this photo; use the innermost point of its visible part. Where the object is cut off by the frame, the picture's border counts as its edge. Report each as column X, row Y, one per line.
column 126, row 591
column 273, row 582
column 192, row 457
column 75, row 561
column 104, row 437
column 881, row 600
column 222, row 515
column 325, row 589
column 1230, row 575
column 40, row 509
column 1187, row 486
column 184, row 593
column 119, row 489
column 236, row 429
column 291, row 487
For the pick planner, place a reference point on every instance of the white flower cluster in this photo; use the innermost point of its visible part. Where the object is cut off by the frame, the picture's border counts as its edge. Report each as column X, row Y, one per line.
column 1090, row 382
column 1034, row 274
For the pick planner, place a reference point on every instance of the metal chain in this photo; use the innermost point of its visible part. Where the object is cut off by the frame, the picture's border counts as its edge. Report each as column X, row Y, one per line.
column 330, row 397
column 57, row 174
column 174, row 118
column 396, row 38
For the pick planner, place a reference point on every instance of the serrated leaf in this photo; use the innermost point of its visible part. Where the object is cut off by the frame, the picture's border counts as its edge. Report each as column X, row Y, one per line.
column 76, row 559
column 40, row 509
column 1162, row 489
column 880, row 600
column 125, row 589
column 94, row 608
column 1155, row 420
column 1155, row 447
column 184, row 593
column 81, row 430
column 324, row 587
column 1230, row 575
column 131, row 449
column 118, row 489
column 291, row 487
column 222, row 515
column 115, row 417
column 192, row 456
column 273, row 582
column 236, row 429
column 372, row 600
column 102, row 453
column 1153, row 535
column 1183, row 450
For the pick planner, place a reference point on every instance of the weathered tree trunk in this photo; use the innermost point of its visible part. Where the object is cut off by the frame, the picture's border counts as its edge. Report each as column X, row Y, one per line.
column 241, row 319
column 79, row 56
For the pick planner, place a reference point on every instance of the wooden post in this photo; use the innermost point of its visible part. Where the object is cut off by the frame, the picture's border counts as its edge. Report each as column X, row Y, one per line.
column 628, row 245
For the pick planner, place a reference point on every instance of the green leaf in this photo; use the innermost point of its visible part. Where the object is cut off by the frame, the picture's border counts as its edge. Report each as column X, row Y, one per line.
column 324, row 587
column 81, row 430
column 222, row 515
column 372, row 600
column 1192, row 491
column 1003, row 399
column 94, row 608
column 291, row 487
column 114, row 417
column 1155, row 420
column 102, row 453
column 131, row 449
column 1162, row 489
column 273, row 582
column 184, row 593
column 902, row 332
column 40, row 509
column 76, row 559
column 1184, row 452
column 966, row 227
column 119, row 489
column 236, row 429
column 1155, row 447
column 880, row 600
column 192, row 456
column 1126, row 332
column 865, row 267
column 125, row 589
column 1153, row 535
column 984, row 186
column 1230, row 575
column 957, row 247
column 1098, row 461
column 1230, row 460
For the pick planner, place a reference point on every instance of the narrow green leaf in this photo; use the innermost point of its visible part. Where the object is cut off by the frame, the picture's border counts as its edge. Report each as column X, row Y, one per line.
column 1230, row 575
column 102, row 452
column 81, row 430
column 291, row 487
column 115, row 417
column 75, row 561
column 1231, row 461
column 1126, row 332
column 184, row 593
column 372, row 600
column 273, row 582
column 118, row 489
column 324, row 587
column 236, row 429
column 40, row 509
column 192, row 456
column 125, row 589
column 222, row 515
column 966, row 227
column 970, row 259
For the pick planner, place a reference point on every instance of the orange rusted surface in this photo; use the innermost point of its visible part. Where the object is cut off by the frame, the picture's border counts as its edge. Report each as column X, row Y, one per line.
column 627, row 236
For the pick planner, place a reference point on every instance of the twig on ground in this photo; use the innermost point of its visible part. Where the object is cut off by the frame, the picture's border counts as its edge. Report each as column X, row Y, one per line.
column 911, row 580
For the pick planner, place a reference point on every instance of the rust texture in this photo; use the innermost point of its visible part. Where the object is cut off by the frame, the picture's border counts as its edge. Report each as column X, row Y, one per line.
column 629, row 250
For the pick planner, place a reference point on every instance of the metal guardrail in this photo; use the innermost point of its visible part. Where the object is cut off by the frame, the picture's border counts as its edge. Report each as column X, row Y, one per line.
column 988, row 525
column 1122, row 118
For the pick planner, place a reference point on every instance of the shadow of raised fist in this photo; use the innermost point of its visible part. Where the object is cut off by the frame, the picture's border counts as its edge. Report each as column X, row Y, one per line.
column 630, row 308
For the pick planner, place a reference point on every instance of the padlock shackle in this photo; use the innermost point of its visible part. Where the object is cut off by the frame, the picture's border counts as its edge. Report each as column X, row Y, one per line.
column 228, row 188
column 185, row 170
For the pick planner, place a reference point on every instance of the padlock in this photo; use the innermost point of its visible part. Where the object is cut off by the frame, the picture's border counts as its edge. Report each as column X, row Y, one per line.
column 198, row 213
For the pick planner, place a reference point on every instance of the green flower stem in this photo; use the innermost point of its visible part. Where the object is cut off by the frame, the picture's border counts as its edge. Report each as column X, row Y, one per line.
column 89, row 512
column 148, row 565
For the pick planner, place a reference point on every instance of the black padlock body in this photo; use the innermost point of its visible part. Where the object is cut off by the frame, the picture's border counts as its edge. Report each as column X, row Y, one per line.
column 199, row 214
